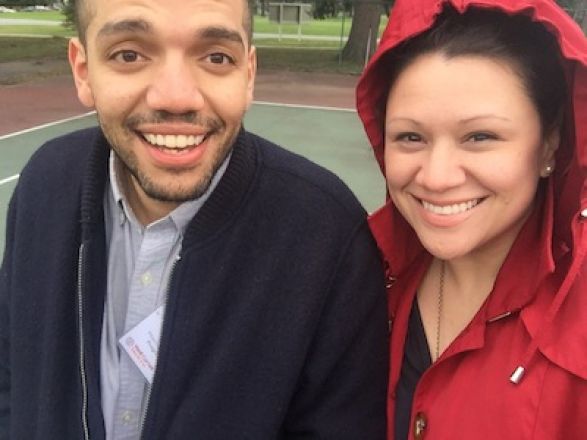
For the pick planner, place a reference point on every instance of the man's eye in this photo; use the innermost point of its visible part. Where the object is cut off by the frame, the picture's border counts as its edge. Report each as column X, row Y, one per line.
column 220, row 58
column 126, row 56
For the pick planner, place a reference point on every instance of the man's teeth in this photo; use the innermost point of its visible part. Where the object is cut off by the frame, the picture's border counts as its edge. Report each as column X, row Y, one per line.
column 456, row 208
column 174, row 141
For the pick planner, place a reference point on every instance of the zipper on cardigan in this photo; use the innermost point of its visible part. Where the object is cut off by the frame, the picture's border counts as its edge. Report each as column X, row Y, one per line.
column 147, row 399
column 82, row 365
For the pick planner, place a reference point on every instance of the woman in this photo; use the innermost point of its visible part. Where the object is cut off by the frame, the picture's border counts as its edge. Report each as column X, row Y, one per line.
column 484, row 149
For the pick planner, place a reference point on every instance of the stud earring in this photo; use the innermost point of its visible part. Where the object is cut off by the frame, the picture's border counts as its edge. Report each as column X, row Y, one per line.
column 548, row 169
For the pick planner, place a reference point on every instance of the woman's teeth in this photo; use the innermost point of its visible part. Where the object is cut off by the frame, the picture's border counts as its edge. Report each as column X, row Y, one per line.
column 453, row 209
column 174, row 141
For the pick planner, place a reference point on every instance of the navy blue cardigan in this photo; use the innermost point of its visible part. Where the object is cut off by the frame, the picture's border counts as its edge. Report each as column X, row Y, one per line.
column 275, row 325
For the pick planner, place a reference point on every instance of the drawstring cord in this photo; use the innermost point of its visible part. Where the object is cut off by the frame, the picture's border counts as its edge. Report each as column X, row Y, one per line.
column 574, row 270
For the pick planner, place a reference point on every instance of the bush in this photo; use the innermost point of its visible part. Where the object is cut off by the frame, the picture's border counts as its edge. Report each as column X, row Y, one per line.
column 69, row 12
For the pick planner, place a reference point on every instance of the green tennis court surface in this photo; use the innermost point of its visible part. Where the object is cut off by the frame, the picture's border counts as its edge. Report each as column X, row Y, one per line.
column 331, row 138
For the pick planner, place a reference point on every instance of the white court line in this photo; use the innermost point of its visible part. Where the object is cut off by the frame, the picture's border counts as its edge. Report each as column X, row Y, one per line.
column 309, row 107
column 73, row 118
column 9, row 179
column 38, row 127
column 49, row 124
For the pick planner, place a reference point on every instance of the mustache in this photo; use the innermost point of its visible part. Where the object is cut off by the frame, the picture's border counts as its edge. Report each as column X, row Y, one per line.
column 162, row 116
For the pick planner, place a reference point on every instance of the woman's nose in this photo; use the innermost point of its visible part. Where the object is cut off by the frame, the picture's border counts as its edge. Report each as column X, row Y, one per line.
column 442, row 168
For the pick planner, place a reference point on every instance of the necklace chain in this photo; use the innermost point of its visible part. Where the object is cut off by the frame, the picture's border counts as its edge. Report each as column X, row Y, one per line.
column 439, row 315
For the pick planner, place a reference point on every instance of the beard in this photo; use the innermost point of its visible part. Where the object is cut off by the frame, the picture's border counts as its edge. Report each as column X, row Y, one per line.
column 123, row 137
column 166, row 193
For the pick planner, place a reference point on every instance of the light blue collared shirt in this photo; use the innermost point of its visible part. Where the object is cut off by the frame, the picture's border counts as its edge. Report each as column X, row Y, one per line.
column 140, row 261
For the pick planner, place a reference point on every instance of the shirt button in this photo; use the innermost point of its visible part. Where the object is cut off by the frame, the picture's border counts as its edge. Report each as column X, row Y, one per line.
column 127, row 417
column 419, row 425
column 584, row 213
column 146, row 278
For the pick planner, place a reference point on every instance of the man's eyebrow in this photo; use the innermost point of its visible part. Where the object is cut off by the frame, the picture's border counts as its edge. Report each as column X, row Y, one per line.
column 220, row 33
column 125, row 26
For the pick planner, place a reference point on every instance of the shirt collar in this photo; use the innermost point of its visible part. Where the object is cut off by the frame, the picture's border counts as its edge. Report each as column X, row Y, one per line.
column 180, row 216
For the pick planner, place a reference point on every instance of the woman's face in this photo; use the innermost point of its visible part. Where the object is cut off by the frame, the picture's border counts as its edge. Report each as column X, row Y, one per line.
column 463, row 153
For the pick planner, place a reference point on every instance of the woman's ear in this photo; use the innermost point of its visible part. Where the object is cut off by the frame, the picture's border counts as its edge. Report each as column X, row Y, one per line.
column 550, row 145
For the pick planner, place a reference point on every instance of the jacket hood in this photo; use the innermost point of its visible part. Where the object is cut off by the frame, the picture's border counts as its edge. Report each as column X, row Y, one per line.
column 562, row 224
column 409, row 18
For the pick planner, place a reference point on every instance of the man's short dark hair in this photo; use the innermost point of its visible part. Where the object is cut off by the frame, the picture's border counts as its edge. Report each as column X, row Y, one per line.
column 83, row 15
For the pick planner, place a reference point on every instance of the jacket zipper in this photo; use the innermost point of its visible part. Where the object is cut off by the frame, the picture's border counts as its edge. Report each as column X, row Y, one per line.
column 82, row 365
column 150, row 386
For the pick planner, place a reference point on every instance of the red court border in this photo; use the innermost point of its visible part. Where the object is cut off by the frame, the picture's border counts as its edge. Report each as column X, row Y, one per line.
column 27, row 105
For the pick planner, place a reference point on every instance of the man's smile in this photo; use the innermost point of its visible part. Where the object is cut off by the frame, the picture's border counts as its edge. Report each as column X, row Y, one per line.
column 175, row 142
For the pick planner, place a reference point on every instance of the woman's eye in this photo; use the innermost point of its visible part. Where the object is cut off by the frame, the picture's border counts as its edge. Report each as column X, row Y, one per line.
column 479, row 137
column 408, row 137
column 220, row 58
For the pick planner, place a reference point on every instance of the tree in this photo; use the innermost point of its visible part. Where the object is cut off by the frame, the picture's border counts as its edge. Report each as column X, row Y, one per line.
column 331, row 8
column 364, row 30
column 69, row 12
column 324, row 8
column 368, row 13
column 578, row 10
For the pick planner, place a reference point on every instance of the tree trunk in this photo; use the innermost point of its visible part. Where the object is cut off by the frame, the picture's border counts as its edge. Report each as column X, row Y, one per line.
column 364, row 31
column 578, row 10
column 253, row 7
column 583, row 10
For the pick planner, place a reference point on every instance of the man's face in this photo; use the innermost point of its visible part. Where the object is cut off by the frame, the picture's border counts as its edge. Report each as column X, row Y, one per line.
column 171, row 81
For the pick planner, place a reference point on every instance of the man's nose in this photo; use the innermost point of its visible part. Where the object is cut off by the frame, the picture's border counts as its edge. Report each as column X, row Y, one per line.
column 174, row 86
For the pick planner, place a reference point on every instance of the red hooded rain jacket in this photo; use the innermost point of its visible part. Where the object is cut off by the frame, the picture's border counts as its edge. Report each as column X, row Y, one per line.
column 535, row 319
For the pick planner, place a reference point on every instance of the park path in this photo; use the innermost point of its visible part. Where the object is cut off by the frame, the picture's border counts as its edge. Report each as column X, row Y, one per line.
column 28, row 22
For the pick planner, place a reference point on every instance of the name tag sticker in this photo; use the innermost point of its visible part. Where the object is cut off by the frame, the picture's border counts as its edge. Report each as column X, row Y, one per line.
column 142, row 343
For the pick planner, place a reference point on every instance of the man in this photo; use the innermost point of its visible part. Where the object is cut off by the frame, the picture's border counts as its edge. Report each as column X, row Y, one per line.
column 171, row 276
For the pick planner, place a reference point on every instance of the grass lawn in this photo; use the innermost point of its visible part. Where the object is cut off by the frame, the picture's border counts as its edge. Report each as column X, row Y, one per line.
column 295, row 59
column 19, row 49
column 294, row 43
column 287, row 54
column 329, row 27
column 35, row 15
column 55, row 31
column 304, row 60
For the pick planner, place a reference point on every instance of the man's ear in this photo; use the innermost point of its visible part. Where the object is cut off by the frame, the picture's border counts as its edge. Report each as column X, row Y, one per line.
column 78, row 61
column 251, row 74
